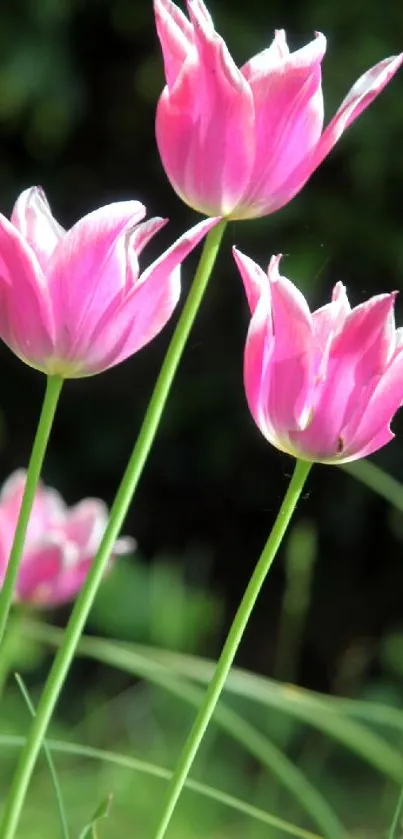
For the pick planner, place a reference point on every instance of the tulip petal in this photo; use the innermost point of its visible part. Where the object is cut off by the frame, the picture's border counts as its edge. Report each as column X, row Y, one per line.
column 272, row 58
column 143, row 233
column 26, row 322
column 86, row 523
column 368, row 334
column 204, row 124
column 259, row 348
column 293, row 357
column 61, row 542
column 259, row 341
column 178, row 252
column 279, row 353
column 138, row 239
column 356, row 359
column 382, row 438
column 33, row 219
column 6, row 540
column 88, row 269
column 360, row 96
column 380, row 408
column 254, row 279
column 363, row 92
column 132, row 321
column 328, row 321
column 70, row 581
column 176, row 37
column 289, row 118
column 40, row 571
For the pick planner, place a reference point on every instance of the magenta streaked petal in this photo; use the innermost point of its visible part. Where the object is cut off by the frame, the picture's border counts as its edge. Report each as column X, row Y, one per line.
column 279, row 355
column 204, row 124
column 363, row 92
column 135, row 318
column 328, row 321
column 88, row 266
column 6, row 540
column 339, row 296
column 293, row 355
column 26, row 322
column 69, row 583
column 264, row 62
column 382, row 438
column 242, row 143
column 61, row 542
column 33, row 218
column 357, row 357
column 368, row 335
column 142, row 235
column 176, row 254
column 257, row 368
column 12, row 490
column 323, row 387
column 176, row 37
column 255, row 280
column 384, row 401
column 259, row 342
column 289, row 118
column 86, row 523
column 39, row 573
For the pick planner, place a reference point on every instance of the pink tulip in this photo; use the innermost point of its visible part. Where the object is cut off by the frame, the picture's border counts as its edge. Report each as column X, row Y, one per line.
column 242, row 142
column 322, row 386
column 60, row 545
column 75, row 303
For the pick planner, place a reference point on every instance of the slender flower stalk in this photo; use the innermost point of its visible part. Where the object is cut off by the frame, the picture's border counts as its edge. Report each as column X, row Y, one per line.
column 119, row 509
column 52, row 393
column 231, row 645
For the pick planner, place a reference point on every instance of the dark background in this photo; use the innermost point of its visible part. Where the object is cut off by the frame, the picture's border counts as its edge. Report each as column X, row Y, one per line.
column 79, row 82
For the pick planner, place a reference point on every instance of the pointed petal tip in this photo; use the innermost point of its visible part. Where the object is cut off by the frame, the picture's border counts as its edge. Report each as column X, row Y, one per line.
column 199, row 14
column 243, row 261
column 273, row 268
column 339, row 288
column 280, row 37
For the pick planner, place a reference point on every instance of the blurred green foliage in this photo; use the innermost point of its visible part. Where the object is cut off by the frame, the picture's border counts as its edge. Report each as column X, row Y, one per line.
column 78, row 86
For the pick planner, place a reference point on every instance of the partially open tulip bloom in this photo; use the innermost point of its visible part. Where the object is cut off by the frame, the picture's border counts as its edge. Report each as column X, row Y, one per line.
column 242, row 142
column 75, row 303
column 324, row 385
column 60, row 545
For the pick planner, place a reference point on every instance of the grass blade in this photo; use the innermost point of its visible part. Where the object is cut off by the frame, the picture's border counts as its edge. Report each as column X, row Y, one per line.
column 377, row 480
column 319, row 712
column 49, row 760
column 396, row 816
column 257, row 744
column 134, row 764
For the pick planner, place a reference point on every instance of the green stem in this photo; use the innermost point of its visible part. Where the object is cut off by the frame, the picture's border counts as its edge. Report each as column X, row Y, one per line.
column 376, row 479
column 396, row 816
column 51, row 398
column 119, row 509
column 232, row 643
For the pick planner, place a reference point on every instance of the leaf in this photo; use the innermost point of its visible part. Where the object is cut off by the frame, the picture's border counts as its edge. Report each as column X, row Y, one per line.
column 136, row 765
column 323, row 713
column 49, row 760
column 102, row 812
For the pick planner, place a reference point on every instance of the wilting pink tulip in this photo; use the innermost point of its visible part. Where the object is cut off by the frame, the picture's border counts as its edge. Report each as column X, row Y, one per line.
column 242, row 142
column 60, row 545
column 75, row 303
column 322, row 386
